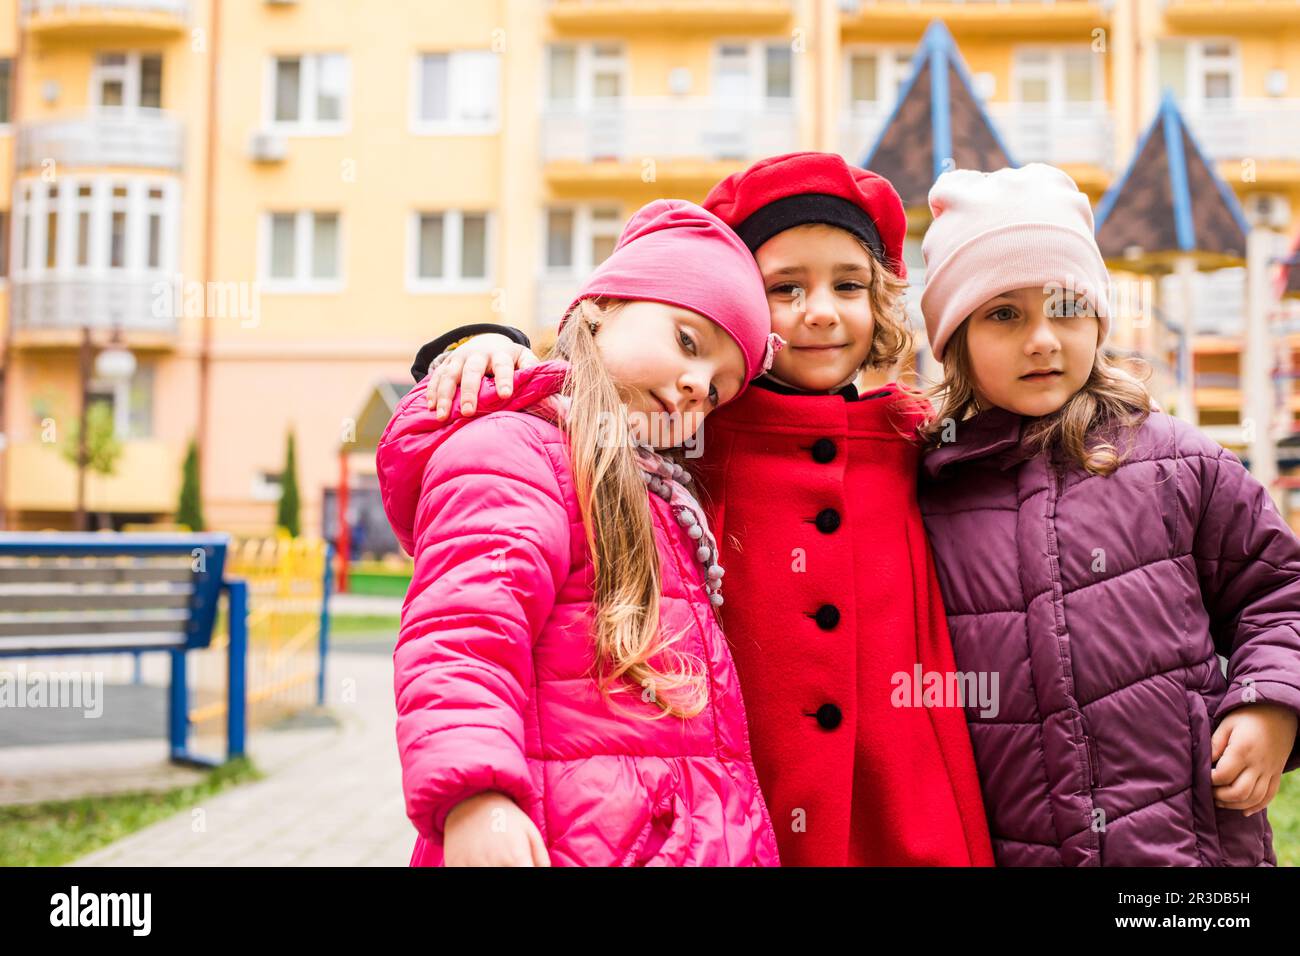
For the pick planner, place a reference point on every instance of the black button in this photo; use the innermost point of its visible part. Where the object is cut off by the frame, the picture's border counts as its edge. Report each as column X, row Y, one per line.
column 828, row 519
column 827, row 616
column 829, row 716
column 823, row 451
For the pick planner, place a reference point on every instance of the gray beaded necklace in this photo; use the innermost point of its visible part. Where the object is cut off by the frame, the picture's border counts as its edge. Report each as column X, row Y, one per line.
column 668, row 480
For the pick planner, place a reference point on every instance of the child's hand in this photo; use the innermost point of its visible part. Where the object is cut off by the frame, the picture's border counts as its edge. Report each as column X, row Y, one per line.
column 489, row 829
column 1250, row 748
column 464, row 369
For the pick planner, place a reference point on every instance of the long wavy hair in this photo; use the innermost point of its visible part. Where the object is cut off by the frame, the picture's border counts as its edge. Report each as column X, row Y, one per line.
column 1089, row 428
column 631, row 653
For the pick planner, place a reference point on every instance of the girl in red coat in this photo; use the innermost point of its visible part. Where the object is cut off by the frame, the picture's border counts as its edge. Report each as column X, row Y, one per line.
column 835, row 615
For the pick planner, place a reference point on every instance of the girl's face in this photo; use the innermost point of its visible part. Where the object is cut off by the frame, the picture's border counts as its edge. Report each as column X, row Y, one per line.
column 672, row 365
column 1031, row 350
column 817, row 280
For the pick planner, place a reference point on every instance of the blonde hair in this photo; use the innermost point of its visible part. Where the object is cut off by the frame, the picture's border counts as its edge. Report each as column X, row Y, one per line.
column 1086, row 428
column 619, row 529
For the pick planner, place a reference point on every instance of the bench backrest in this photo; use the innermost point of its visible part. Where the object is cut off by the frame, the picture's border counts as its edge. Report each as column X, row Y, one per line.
column 63, row 593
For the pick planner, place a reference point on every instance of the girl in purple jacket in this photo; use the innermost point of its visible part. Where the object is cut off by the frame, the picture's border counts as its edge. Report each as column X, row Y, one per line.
column 1122, row 581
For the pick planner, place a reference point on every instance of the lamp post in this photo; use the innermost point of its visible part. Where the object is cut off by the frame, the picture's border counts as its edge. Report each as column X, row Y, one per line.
column 114, row 364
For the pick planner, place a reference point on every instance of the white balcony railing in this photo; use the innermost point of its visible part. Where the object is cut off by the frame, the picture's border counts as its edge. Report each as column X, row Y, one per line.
column 1035, row 133
column 60, row 303
column 859, row 130
column 179, row 8
column 145, row 138
column 669, row 128
column 1244, row 128
column 554, row 293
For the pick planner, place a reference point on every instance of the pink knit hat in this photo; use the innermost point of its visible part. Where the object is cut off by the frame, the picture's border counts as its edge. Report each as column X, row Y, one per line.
column 1011, row 229
column 678, row 253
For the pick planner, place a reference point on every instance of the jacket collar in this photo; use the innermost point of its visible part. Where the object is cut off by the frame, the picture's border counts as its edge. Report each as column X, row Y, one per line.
column 988, row 433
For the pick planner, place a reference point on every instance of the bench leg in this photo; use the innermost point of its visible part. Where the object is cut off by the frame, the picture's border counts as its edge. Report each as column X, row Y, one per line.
column 237, row 675
column 178, row 717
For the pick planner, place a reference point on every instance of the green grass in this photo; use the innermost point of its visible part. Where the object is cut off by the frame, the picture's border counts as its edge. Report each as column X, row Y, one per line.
column 55, row 833
column 363, row 626
column 1284, row 816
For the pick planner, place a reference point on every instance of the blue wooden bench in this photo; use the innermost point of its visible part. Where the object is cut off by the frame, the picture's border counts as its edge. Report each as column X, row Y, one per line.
column 111, row 593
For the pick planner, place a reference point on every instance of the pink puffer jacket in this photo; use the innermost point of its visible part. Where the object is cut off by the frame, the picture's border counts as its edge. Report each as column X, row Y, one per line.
column 494, row 658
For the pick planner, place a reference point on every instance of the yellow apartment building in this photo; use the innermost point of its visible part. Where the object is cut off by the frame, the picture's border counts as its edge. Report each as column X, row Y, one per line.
column 271, row 203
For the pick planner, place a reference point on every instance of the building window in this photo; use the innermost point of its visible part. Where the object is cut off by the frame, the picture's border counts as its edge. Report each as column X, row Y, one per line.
column 876, row 76
column 753, row 73
column 579, row 238
column 303, row 251
column 6, row 80
column 87, row 226
column 1200, row 72
column 457, row 92
column 309, row 93
column 450, row 251
column 130, row 403
column 582, row 74
column 1056, row 77
column 127, row 81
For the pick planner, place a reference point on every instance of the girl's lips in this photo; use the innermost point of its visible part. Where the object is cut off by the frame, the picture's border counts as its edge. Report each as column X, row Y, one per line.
column 818, row 348
column 1047, row 373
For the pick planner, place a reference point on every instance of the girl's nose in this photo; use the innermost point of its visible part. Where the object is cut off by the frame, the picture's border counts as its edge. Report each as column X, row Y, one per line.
column 692, row 389
column 1042, row 338
column 819, row 308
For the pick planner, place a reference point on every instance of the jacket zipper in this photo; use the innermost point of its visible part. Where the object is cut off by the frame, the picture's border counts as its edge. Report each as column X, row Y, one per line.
column 1056, row 476
column 1094, row 762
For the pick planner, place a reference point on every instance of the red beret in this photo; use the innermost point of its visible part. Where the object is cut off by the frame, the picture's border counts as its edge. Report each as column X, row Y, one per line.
column 782, row 192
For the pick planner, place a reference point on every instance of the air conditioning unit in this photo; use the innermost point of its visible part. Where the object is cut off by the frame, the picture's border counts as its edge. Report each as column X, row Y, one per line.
column 267, row 147
column 1268, row 209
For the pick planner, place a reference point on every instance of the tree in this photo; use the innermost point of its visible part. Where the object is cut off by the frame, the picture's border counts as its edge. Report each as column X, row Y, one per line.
column 288, row 517
column 102, row 446
column 190, row 510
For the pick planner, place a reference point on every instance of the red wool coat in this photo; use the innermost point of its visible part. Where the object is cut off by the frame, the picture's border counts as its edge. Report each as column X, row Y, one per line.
column 830, row 593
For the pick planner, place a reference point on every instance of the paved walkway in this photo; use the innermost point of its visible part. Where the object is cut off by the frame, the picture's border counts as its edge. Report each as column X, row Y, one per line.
column 332, row 797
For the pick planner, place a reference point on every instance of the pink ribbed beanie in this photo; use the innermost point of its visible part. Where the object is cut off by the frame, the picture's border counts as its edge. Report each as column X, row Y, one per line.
column 678, row 253
column 1010, row 229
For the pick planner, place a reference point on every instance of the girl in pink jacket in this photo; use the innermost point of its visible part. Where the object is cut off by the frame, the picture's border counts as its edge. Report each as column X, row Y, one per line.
column 564, row 691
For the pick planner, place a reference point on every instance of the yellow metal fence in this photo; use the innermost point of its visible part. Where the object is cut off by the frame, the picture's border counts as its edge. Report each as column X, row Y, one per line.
column 286, row 588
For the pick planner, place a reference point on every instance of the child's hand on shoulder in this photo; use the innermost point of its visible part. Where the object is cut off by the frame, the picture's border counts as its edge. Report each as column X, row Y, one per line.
column 1249, row 749
column 464, row 368
column 489, row 829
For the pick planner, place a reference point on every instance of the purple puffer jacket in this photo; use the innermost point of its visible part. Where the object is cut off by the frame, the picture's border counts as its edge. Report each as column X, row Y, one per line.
column 1100, row 604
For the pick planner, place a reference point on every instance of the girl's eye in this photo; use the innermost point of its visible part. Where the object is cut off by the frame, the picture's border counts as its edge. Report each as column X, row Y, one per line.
column 785, row 288
column 851, row 286
column 686, row 341
column 1004, row 314
column 713, row 396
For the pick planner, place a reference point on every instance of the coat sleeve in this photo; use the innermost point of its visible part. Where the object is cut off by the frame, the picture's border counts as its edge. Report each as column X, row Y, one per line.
column 1248, row 563
column 492, row 550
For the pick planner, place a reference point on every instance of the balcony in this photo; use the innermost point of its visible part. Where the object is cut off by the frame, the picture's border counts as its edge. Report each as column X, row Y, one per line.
column 1230, row 15
column 869, row 19
column 147, row 478
column 666, row 128
column 554, row 293
column 705, row 16
column 148, row 139
column 106, row 19
column 1263, row 129
column 1059, row 135
column 54, row 310
column 859, row 130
